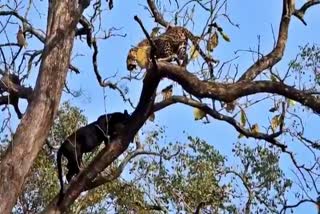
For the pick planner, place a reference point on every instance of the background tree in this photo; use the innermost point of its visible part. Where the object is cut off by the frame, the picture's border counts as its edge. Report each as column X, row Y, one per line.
column 215, row 87
column 193, row 177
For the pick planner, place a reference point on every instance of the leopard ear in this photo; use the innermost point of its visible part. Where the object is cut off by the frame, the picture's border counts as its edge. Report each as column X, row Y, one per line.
column 126, row 113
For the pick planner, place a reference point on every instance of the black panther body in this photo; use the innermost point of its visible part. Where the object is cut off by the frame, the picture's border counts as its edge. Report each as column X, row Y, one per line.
column 85, row 140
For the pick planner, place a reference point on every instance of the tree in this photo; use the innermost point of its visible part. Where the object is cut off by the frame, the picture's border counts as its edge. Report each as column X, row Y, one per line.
column 186, row 176
column 205, row 83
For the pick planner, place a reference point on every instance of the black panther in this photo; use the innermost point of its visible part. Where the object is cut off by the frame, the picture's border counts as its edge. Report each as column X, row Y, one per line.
column 85, row 140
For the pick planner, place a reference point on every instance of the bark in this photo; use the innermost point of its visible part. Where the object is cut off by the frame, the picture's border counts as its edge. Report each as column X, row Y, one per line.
column 34, row 127
column 229, row 92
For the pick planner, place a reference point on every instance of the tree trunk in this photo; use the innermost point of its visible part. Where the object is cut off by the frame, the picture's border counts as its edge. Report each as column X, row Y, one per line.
column 63, row 16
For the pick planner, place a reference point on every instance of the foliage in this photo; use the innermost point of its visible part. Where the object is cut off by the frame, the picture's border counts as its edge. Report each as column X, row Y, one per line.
column 264, row 182
column 41, row 185
column 186, row 176
column 68, row 120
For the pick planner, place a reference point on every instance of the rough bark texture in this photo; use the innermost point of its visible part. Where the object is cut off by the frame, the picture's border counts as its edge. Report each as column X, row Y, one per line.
column 231, row 91
column 34, row 127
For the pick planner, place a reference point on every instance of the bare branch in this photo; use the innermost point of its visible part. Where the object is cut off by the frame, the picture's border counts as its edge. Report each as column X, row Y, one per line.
column 151, row 42
column 156, row 14
column 117, row 172
column 301, row 12
column 30, row 29
column 7, row 85
column 215, row 114
column 86, row 30
column 105, row 83
column 95, row 64
column 295, row 205
column 12, row 100
column 276, row 54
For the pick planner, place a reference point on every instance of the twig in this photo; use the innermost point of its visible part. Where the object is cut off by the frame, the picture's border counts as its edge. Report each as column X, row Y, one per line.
column 153, row 46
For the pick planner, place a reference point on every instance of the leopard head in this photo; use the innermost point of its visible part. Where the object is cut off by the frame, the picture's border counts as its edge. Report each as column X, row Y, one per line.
column 139, row 55
column 132, row 59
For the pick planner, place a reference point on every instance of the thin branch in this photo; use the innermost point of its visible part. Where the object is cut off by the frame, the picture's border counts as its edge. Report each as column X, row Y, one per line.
column 95, row 64
column 117, row 172
column 86, row 30
column 156, row 14
column 301, row 12
column 151, row 42
column 295, row 205
column 215, row 114
column 104, row 179
column 105, row 83
column 30, row 29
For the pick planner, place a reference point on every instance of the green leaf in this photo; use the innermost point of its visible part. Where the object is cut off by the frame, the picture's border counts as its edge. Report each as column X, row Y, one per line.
column 291, row 102
column 273, row 78
column 225, row 36
column 155, row 32
column 243, row 119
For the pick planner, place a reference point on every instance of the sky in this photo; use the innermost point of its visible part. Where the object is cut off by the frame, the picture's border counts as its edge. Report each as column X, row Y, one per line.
column 254, row 18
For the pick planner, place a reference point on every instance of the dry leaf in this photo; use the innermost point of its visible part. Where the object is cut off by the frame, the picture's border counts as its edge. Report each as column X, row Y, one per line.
column 193, row 53
column 21, row 40
column 255, row 128
column 167, row 92
column 275, row 122
column 198, row 114
column 152, row 117
column 213, row 42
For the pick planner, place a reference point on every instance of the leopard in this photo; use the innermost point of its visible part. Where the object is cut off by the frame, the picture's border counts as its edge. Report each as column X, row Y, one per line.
column 181, row 34
column 170, row 45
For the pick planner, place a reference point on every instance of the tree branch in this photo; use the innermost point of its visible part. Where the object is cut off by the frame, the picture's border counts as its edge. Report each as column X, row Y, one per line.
column 27, row 25
column 85, row 30
column 106, row 156
column 105, row 83
column 229, row 92
column 276, row 54
column 295, row 205
column 29, row 28
column 103, row 179
column 156, row 14
column 301, row 12
column 216, row 115
column 7, row 85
